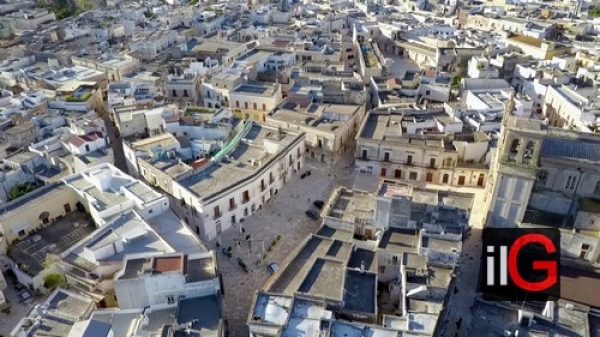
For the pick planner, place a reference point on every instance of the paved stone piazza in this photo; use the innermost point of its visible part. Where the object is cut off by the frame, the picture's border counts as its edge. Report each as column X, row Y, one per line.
column 283, row 215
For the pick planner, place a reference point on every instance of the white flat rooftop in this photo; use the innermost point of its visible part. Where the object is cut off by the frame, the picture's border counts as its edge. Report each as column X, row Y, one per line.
column 176, row 233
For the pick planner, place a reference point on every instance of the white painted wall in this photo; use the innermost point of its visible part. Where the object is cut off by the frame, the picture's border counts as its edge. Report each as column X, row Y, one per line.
column 91, row 146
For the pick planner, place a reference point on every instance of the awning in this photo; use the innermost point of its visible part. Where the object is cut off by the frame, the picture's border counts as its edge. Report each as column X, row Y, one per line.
column 20, row 227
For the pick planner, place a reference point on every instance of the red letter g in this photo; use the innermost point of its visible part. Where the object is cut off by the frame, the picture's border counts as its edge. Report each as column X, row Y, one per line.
column 550, row 267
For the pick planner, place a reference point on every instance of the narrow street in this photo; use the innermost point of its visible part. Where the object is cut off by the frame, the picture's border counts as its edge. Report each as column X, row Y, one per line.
column 457, row 315
column 115, row 144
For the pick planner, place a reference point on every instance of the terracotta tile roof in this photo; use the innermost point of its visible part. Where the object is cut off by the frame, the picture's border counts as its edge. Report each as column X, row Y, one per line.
column 90, row 137
column 168, row 263
column 392, row 81
column 172, row 119
column 199, row 163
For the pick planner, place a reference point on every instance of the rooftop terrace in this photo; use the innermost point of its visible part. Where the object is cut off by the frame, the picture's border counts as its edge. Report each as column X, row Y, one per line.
column 305, row 319
column 264, row 90
column 121, row 322
column 400, row 241
column 107, row 186
column 155, row 143
column 393, row 126
column 335, row 234
column 360, row 292
column 272, row 309
column 197, row 267
column 324, row 117
column 350, row 206
column 325, row 280
column 176, row 233
column 291, row 278
column 132, row 231
column 202, row 313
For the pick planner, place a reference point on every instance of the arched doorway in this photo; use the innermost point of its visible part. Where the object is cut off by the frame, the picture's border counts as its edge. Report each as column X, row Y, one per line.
column 44, row 217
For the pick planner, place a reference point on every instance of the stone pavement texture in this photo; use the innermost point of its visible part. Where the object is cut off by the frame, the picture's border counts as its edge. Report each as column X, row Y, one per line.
column 283, row 215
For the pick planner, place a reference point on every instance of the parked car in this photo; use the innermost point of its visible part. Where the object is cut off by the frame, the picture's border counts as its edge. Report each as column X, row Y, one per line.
column 311, row 213
column 272, row 267
column 25, row 296
column 319, row 204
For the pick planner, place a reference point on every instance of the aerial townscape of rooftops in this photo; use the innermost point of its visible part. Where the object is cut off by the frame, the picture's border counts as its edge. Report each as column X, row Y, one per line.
column 289, row 168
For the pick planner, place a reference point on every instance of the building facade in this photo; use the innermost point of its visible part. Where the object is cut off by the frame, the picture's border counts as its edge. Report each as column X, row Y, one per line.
column 238, row 180
column 392, row 146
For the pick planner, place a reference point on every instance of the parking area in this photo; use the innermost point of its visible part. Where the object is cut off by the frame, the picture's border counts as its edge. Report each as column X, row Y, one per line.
column 18, row 310
column 284, row 215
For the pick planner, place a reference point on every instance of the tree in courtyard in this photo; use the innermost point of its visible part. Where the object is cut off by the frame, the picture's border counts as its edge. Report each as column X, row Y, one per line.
column 53, row 281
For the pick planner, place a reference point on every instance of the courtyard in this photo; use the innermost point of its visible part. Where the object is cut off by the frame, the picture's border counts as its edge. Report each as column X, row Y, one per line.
column 55, row 238
column 283, row 216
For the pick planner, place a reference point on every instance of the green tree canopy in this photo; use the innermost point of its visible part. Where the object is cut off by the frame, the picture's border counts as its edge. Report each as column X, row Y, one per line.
column 53, row 281
column 20, row 190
